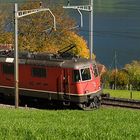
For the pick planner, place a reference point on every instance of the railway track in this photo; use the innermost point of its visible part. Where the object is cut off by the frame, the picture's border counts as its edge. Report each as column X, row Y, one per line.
column 106, row 100
column 121, row 102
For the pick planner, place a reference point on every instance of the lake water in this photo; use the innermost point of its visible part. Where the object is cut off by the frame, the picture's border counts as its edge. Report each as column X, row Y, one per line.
column 116, row 29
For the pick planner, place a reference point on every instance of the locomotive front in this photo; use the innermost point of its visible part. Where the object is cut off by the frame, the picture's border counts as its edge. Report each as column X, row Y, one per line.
column 84, row 84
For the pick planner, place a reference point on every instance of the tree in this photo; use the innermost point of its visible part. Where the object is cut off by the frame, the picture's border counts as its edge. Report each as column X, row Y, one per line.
column 5, row 36
column 105, row 79
column 37, row 33
column 120, row 77
column 133, row 70
column 81, row 45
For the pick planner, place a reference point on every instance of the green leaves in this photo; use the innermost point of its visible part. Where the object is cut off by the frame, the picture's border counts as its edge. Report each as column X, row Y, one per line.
column 129, row 75
column 133, row 70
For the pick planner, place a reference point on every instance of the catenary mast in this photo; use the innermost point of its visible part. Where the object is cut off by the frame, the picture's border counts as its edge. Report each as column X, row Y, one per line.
column 20, row 14
column 88, row 8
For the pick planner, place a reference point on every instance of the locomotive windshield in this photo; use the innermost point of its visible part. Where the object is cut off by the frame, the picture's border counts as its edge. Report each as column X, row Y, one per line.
column 95, row 70
column 85, row 74
column 76, row 77
column 82, row 75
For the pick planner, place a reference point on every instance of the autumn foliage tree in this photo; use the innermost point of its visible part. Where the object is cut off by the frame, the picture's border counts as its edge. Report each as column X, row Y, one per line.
column 129, row 75
column 118, row 77
column 133, row 70
column 122, row 79
column 5, row 36
column 36, row 32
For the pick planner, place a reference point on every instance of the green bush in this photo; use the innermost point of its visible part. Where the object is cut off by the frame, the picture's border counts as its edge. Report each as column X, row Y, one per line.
column 123, row 78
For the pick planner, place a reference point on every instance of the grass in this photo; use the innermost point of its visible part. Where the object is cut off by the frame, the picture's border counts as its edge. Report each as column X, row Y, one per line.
column 101, row 124
column 123, row 93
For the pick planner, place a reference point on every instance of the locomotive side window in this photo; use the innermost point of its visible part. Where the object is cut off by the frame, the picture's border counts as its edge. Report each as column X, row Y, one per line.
column 39, row 72
column 85, row 73
column 76, row 76
column 96, row 74
column 8, row 68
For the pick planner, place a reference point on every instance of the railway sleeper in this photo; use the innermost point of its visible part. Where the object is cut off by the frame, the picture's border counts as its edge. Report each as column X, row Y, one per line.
column 121, row 102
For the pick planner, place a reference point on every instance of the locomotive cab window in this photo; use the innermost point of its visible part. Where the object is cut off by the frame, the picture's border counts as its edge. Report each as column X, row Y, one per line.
column 95, row 70
column 8, row 68
column 39, row 72
column 76, row 76
column 85, row 73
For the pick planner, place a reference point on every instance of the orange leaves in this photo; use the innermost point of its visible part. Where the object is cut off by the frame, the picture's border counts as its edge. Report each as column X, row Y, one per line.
column 36, row 33
column 81, row 45
column 6, row 38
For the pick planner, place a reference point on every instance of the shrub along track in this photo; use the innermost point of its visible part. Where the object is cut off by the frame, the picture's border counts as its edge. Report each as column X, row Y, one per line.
column 120, row 102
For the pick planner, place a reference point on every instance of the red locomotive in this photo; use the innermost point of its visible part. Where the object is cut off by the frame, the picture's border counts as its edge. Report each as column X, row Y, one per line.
column 54, row 78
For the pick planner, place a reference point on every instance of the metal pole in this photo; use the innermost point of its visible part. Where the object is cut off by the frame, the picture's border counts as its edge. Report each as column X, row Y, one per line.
column 91, row 30
column 115, row 63
column 19, row 14
column 131, row 96
column 54, row 20
column 16, row 58
column 81, row 18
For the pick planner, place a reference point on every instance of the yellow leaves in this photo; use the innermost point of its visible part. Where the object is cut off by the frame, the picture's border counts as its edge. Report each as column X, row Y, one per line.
column 6, row 38
column 35, row 34
column 53, row 45
column 81, row 45
column 50, row 48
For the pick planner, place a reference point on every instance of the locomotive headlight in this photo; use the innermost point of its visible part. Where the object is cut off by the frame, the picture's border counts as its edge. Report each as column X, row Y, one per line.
column 86, row 91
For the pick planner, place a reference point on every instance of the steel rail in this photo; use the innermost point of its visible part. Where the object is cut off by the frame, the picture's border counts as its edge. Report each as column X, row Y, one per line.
column 121, row 102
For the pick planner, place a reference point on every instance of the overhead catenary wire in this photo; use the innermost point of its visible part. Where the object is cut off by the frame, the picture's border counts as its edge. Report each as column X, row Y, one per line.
column 132, row 7
column 100, row 33
column 131, row 35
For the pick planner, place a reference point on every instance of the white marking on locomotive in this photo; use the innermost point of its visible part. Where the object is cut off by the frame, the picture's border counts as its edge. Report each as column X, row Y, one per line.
column 10, row 60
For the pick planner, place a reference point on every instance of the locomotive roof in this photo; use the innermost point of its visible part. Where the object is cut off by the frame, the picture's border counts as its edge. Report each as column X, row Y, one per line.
column 44, row 59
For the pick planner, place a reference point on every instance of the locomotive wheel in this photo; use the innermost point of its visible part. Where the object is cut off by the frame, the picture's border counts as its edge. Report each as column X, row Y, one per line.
column 94, row 104
column 97, row 102
column 88, row 106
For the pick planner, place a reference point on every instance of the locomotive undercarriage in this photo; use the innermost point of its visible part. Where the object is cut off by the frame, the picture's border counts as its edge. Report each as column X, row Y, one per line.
column 91, row 104
column 85, row 102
